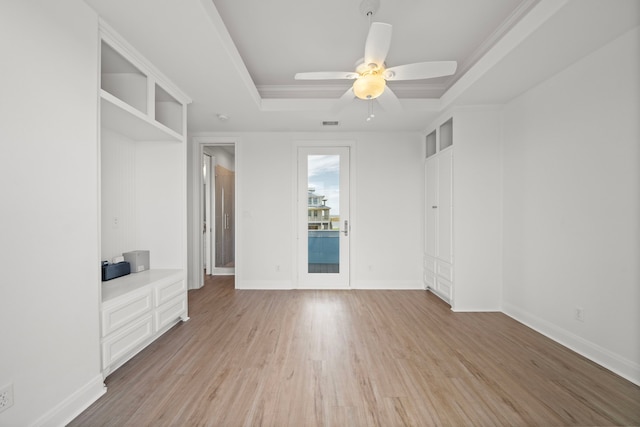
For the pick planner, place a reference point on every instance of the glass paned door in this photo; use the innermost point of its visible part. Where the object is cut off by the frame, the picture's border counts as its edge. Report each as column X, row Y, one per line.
column 323, row 217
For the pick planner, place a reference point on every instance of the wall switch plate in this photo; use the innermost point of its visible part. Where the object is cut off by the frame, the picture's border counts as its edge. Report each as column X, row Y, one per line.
column 6, row 397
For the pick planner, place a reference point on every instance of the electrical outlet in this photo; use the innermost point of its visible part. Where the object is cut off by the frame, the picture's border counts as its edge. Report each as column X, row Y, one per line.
column 580, row 314
column 6, row 397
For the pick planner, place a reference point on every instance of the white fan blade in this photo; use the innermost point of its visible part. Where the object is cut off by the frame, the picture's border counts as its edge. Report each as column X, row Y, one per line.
column 344, row 100
column 421, row 70
column 389, row 101
column 326, row 75
column 377, row 45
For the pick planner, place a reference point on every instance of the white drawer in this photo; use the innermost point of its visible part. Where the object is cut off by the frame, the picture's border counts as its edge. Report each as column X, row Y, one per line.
column 429, row 263
column 444, row 270
column 170, row 311
column 126, row 340
column 170, row 290
column 121, row 311
column 429, row 278
column 445, row 288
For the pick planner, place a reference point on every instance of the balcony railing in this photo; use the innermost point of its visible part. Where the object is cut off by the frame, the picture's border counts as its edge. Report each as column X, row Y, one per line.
column 324, row 251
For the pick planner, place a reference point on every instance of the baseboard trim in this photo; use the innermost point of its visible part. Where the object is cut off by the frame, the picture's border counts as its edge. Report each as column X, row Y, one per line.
column 73, row 405
column 600, row 355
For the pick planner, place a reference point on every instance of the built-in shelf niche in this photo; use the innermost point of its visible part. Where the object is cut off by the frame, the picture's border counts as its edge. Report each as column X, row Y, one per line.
column 446, row 134
column 134, row 100
column 168, row 110
column 122, row 79
column 431, row 144
column 142, row 199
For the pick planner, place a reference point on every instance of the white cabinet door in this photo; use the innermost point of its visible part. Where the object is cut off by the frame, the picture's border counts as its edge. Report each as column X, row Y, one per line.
column 445, row 205
column 439, row 206
column 438, row 263
column 431, row 205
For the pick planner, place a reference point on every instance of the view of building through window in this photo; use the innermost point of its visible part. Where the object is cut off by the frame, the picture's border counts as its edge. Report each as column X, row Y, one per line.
column 323, row 213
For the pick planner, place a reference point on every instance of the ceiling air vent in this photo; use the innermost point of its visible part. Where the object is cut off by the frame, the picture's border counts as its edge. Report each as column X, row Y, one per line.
column 330, row 123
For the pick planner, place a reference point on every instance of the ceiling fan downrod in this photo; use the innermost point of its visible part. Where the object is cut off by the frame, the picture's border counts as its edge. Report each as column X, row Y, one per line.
column 369, row 7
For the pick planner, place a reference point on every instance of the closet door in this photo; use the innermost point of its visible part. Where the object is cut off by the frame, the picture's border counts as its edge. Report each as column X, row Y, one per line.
column 431, row 206
column 445, row 206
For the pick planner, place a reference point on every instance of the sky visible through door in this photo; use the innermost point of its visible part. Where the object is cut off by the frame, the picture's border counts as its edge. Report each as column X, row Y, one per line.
column 324, row 177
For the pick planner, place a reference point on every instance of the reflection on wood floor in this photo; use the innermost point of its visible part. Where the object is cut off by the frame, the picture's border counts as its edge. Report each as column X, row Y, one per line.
column 355, row 358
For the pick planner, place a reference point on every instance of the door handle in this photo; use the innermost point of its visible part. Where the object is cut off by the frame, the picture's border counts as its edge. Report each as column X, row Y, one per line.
column 346, row 228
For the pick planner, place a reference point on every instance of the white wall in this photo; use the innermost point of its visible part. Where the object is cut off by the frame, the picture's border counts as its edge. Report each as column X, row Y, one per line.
column 387, row 253
column 389, row 198
column 572, row 206
column 118, row 195
column 476, row 210
column 49, row 216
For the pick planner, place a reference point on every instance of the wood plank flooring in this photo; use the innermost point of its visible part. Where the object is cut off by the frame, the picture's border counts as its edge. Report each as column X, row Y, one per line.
column 355, row 358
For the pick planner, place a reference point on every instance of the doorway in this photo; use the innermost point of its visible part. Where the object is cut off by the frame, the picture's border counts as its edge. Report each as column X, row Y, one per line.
column 323, row 214
column 218, row 202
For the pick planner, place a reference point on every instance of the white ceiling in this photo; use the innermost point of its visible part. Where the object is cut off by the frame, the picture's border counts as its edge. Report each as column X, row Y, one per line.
column 278, row 39
column 238, row 58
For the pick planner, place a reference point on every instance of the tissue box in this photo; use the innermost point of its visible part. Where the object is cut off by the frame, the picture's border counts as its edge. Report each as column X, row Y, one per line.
column 139, row 260
column 111, row 271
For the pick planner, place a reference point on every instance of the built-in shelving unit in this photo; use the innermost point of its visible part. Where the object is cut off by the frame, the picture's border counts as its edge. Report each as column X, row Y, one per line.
column 143, row 198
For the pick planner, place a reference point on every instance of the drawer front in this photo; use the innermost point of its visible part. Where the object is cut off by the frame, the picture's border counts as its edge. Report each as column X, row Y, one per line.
column 168, row 291
column 170, row 311
column 429, row 278
column 445, row 288
column 122, row 311
column 126, row 340
column 429, row 263
column 445, row 270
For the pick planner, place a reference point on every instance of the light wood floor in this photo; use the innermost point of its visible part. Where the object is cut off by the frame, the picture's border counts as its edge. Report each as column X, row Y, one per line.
column 355, row 358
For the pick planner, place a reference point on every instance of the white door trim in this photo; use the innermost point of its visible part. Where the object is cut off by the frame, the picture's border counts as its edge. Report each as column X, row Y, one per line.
column 196, row 276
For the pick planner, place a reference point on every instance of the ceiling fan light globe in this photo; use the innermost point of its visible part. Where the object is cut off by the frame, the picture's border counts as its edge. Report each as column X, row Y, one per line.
column 369, row 86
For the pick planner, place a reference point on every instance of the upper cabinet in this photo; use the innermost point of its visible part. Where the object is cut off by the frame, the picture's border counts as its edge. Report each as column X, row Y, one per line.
column 136, row 100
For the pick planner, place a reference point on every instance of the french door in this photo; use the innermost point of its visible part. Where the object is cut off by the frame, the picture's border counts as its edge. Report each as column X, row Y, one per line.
column 323, row 217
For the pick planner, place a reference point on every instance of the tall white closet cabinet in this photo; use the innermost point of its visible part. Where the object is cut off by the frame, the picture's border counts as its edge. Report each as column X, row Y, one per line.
column 462, row 252
column 438, row 260
column 142, row 198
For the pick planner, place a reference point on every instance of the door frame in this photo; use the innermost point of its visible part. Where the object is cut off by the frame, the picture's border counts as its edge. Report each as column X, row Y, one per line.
column 197, row 157
column 209, row 203
column 296, row 223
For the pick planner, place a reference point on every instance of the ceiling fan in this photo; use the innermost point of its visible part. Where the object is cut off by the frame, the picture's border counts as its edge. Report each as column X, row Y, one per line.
column 371, row 74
